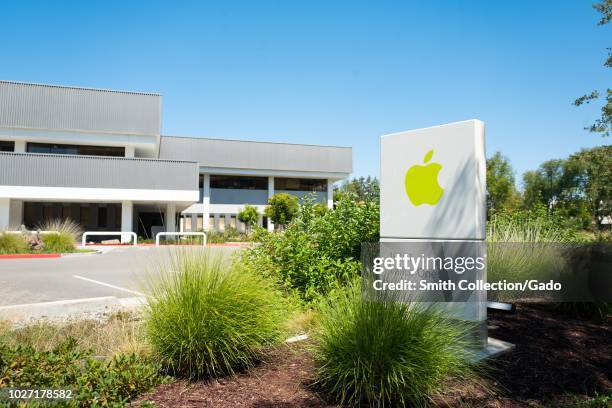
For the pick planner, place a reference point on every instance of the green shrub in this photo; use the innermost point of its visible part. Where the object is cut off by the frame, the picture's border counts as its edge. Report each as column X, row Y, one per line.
column 387, row 353
column 13, row 244
column 60, row 242
column 94, row 382
column 207, row 318
column 228, row 234
column 65, row 226
column 282, row 208
column 249, row 216
column 319, row 250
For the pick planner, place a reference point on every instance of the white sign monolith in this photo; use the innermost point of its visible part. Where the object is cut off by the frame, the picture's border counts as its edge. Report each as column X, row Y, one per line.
column 433, row 189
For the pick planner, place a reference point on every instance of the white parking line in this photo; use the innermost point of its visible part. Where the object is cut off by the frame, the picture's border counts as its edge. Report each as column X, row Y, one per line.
column 57, row 302
column 109, row 285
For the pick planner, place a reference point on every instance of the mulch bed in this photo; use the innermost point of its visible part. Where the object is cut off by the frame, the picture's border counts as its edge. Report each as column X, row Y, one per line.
column 281, row 381
column 554, row 356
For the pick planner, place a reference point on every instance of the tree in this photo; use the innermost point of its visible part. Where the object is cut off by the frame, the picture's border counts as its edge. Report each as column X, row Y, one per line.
column 364, row 188
column 579, row 187
column 501, row 192
column 249, row 215
column 533, row 185
column 281, row 209
column 545, row 185
column 588, row 181
column 602, row 125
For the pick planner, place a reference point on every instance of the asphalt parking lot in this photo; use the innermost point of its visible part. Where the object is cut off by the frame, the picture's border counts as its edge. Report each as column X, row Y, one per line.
column 118, row 272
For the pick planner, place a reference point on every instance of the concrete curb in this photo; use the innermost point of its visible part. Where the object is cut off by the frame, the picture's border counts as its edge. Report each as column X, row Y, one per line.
column 78, row 254
column 69, row 309
column 30, row 256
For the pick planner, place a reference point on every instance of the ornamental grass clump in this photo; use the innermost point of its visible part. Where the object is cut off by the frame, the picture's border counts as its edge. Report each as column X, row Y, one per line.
column 208, row 318
column 65, row 233
column 526, row 245
column 387, row 353
column 12, row 244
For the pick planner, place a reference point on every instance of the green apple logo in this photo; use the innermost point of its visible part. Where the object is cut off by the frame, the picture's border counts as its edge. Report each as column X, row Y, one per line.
column 422, row 182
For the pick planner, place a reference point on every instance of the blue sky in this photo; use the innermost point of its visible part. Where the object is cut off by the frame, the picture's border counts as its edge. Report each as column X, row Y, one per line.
column 339, row 73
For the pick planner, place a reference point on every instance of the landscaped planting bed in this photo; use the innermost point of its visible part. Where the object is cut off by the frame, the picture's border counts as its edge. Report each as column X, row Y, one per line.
column 59, row 237
column 557, row 361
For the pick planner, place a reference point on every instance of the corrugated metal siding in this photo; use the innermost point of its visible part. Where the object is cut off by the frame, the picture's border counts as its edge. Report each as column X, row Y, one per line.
column 257, row 155
column 65, row 108
column 49, row 170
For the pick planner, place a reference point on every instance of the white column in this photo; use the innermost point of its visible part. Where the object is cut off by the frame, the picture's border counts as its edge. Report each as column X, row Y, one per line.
column 127, row 216
column 20, row 146
column 270, row 194
column 5, row 213
column 170, row 217
column 206, row 203
column 129, row 151
column 330, row 193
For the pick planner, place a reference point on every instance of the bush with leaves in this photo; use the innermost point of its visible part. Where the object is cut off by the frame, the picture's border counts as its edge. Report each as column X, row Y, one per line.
column 228, row 234
column 318, row 251
column 281, row 209
column 249, row 216
column 94, row 382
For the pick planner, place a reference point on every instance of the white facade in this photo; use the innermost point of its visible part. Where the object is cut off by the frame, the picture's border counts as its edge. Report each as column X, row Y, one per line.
column 98, row 157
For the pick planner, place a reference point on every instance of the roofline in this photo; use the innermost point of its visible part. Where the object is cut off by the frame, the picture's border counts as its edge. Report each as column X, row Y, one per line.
column 255, row 141
column 79, row 87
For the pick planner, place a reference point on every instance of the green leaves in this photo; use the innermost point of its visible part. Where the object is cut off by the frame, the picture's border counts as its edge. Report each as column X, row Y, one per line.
column 281, row 208
column 428, row 156
column 319, row 251
column 249, row 215
column 95, row 382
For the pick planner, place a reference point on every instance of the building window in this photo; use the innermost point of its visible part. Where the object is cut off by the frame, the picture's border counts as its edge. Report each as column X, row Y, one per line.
column 6, row 146
column 31, row 215
column 102, row 216
column 66, row 212
column 48, row 213
column 80, row 150
column 298, row 184
column 239, row 182
column 84, row 215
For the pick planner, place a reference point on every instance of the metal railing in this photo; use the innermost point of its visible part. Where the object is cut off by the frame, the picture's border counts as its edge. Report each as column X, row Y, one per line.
column 103, row 233
column 200, row 234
